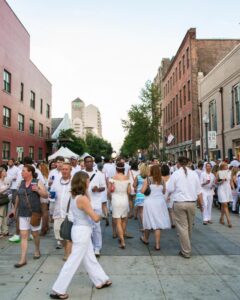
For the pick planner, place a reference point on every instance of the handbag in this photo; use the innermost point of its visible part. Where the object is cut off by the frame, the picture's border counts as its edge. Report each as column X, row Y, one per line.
column 35, row 216
column 148, row 190
column 4, row 200
column 66, row 226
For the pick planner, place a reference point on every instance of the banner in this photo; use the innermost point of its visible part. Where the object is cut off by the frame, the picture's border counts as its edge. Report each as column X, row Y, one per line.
column 212, row 139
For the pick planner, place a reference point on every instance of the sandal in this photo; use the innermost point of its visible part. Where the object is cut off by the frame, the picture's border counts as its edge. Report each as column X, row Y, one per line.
column 157, row 249
column 144, row 242
column 59, row 296
column 106, row 284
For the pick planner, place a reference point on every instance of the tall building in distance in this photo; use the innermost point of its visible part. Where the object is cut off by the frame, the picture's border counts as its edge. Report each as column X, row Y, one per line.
column 86, row 119
column 25, row 94
column 180, row 110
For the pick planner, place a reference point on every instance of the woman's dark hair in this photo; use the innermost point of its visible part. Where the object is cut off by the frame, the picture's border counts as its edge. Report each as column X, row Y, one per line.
column 4, row 167
column 134, row 165
column 51, row 163
column 155, row 173
column 79, row 183
column 31, row 169
column 120, row 167
column 165, row 170
column 183, row 161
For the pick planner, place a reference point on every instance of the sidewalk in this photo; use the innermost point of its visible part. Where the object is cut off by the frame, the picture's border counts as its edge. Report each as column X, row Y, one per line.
column 138, row 272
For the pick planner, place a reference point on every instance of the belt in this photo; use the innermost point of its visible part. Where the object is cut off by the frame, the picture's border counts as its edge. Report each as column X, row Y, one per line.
column 184, row 201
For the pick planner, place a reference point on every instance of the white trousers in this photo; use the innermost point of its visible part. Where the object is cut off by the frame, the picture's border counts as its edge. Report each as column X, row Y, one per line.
column 97, row 233
column 82, row 251
column 235, row 200
column 207, row 206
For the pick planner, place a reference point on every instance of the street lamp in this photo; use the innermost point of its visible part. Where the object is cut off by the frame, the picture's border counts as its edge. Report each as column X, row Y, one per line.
column 206, row 122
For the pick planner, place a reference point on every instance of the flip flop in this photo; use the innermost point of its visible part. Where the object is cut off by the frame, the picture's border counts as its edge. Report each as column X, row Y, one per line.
column 142, row 240
column 59, row 296
column 106, row 284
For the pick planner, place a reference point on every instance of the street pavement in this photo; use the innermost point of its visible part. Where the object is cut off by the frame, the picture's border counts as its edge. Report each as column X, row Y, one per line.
column 138, row 272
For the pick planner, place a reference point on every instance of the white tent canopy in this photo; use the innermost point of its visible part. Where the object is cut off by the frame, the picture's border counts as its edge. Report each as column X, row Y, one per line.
column 63, row 151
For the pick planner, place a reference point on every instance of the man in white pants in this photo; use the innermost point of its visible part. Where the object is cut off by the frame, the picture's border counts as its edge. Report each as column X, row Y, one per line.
column 207, row 182
column 96, row 187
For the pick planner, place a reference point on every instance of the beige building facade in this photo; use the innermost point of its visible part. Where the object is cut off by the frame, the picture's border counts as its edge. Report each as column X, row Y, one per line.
column 219, row 99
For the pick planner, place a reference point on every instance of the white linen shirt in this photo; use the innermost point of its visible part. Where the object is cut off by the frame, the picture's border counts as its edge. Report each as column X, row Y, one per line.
column 184, row 187
column 208, row 188
column 75, row 170
column 12, row 174
column 63, row 194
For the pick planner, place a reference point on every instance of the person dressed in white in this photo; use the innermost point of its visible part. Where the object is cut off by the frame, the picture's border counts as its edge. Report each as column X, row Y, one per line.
column 185, row 186
column 75, row 166
column 224, row 192
column 155, row 212
column 234, row 188
column 62, row 188
column 12, row 174
column 82, row 248
column 207, row 180
column 96, row 187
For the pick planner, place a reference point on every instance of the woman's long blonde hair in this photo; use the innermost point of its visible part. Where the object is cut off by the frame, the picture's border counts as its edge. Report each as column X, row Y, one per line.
column 144, row 170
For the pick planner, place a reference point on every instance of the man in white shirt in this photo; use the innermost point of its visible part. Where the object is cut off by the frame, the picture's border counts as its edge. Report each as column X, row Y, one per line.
column 56, row 173
column 75, row 166
column 109, row 169
column 185, row 186
column 12, row 174
column 96, row 187
column 62, row 188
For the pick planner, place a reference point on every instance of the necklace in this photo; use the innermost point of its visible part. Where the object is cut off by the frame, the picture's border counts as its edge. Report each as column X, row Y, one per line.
column 64, row 183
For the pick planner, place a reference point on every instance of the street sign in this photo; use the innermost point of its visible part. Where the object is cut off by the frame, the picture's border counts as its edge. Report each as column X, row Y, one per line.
column 19, row 149
column 212, row 139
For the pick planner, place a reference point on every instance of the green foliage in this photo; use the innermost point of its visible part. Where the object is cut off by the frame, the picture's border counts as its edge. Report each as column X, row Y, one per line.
column 76, row 144
column 142, row 125
column 97, row 146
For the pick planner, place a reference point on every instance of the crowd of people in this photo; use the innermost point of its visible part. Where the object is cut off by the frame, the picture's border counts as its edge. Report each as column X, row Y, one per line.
column 159, row 195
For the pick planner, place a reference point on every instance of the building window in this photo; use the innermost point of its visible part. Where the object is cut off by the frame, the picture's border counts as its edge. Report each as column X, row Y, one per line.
column 171, row 83
column 176, row 105
column 40, row 130
column 174, row 108
column 31, row 152
column 5, row 150
column 180, row 96
column 189, row 90
column 6, row 116
column 41, row 106
column 187, row 53
column 176, row 138
column 173, row 78
column 48, row 133
column 184, row 94
column 181, row 130
column 48, row 111
column 183, row 63
column 7, row 81
column 32, row 100
column 22, row 92
column 180, row 70
column 212, row 115
column 236, row 95
column 40, row 154
column 31, row 126
column 20, row 122
column 189, row 127
column 185, row 129
column 171, row 110
column 176, row 73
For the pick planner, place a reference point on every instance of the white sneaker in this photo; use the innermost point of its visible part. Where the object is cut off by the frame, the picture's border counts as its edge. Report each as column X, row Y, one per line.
column 97, row 253
column 15, row 238
column 30, row 237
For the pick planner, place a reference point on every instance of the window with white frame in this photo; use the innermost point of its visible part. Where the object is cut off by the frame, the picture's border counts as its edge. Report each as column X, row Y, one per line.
column 7, row 81
column 5, row 150
column 212, row 115
column 20, row 122
column 6, row 116
column 236, row 97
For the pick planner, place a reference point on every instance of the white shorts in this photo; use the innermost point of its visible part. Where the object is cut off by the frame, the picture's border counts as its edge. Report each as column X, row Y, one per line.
column 24, row 224
column 56, row 227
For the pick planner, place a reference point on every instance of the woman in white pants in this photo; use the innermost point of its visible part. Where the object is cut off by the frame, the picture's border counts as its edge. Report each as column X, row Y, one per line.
column 207, row 180
column 82, row 248
column 234, row 185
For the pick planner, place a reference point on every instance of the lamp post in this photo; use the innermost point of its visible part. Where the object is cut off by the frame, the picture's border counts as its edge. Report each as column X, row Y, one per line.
column 206, row 122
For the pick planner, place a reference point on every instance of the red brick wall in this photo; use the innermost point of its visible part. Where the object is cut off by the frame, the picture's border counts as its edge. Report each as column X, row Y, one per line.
column 14, row 57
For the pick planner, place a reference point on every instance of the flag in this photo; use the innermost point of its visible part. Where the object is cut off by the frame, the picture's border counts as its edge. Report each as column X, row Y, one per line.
column 170, row 138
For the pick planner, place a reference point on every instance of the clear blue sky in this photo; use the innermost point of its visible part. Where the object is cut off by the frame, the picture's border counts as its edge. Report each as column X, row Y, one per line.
column 103, row 51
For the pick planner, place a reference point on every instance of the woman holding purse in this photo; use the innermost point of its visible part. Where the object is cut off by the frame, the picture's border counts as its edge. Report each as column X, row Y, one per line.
column 29, row 211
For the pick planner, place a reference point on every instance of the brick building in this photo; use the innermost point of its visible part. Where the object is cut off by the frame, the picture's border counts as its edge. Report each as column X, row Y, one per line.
column 25, row 94
column 180, row 109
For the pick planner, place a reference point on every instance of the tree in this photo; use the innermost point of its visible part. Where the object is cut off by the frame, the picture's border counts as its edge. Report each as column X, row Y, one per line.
column 142, row 125
column 97, row 146
column 74, row 143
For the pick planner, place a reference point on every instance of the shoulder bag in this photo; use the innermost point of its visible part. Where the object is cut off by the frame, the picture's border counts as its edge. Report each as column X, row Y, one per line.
column 4, row 200
column 66, row 226
column 148, row 190
column 35, row 216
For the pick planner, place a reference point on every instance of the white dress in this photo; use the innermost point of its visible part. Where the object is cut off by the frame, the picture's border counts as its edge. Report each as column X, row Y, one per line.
column 155, row 212
column 225, row 192
column 120, row 204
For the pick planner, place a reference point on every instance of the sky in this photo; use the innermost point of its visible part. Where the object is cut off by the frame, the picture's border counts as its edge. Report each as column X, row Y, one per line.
column 103, row 51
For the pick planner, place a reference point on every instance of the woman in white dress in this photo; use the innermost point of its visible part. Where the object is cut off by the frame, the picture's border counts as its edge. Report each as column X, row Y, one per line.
column 155, row 212
column 224, row 193
column 119, row 186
